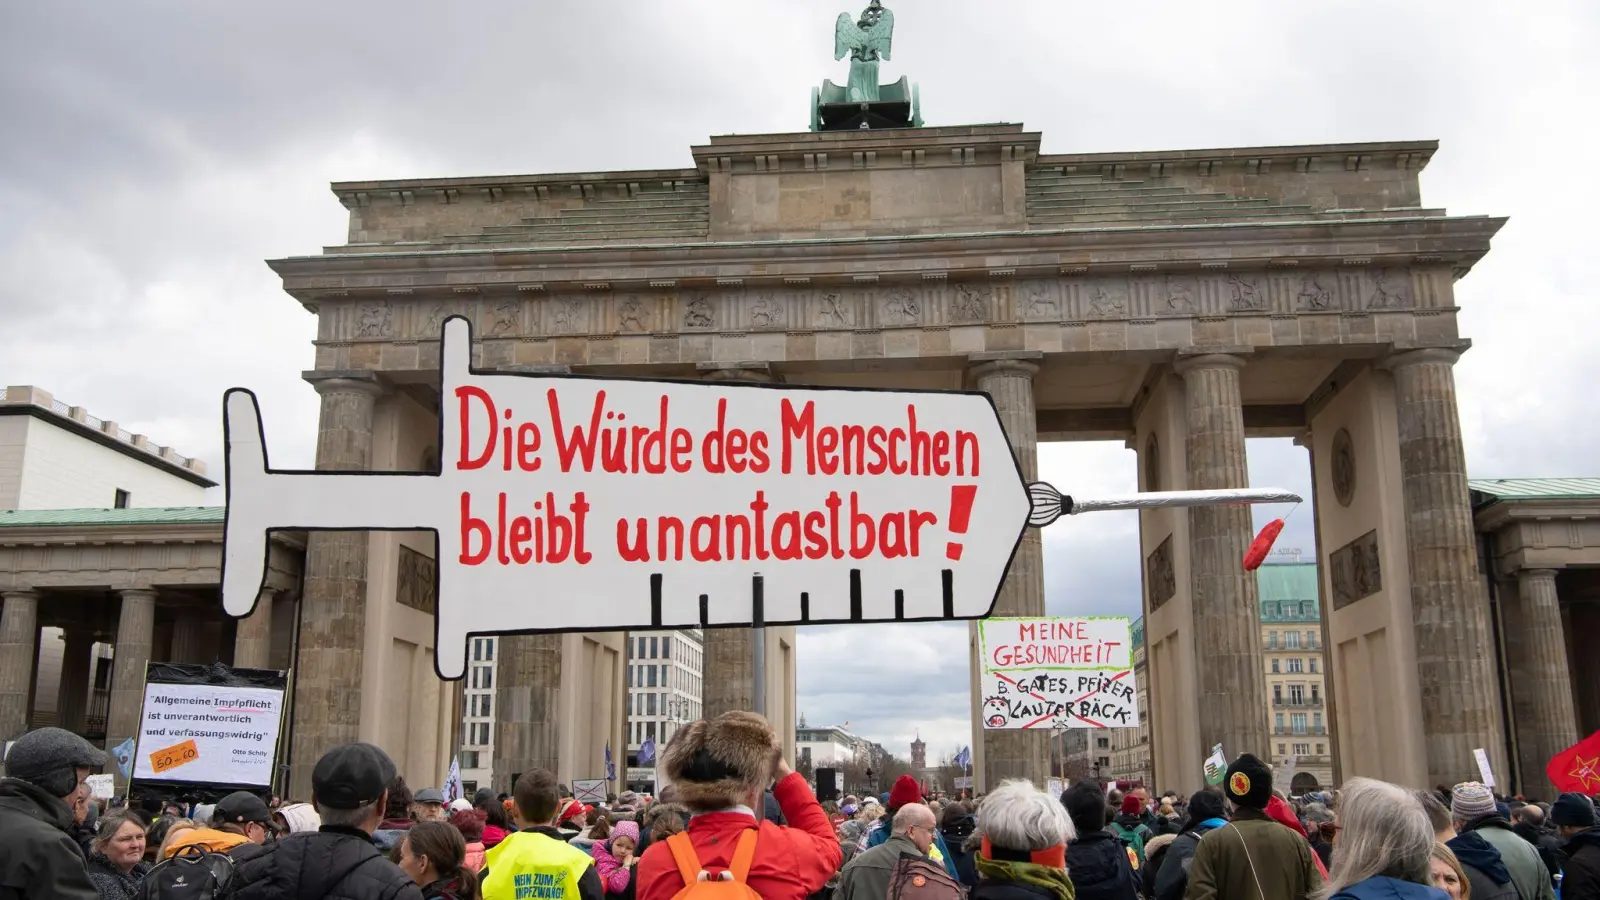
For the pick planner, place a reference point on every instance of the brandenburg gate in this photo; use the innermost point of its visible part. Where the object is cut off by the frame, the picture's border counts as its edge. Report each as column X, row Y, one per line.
column 1181, row 302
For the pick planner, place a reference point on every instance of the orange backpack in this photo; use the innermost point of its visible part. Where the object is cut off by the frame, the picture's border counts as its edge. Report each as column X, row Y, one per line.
column 727, row 884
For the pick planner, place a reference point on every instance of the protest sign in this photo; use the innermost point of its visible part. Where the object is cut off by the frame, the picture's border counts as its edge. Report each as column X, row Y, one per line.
column 205, row 732
column 664, row 504
column 1484, row 770
column 101, row 787
column 1057, row 673
column 589, row 790
column 1053, row 787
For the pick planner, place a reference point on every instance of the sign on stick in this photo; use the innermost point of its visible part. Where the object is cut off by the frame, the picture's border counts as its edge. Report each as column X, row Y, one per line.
column 589, row 790
column 209, row 725
column 1057, row 673
column 664, row 504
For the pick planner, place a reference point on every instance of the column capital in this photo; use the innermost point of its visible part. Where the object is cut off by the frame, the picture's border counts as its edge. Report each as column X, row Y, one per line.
column 137, row 593
column 756, row 371
column 1190, row 362
column 1403, row 357
column 1536, row 573
column 1020, row 363
column 344, row 381
column 19, row 594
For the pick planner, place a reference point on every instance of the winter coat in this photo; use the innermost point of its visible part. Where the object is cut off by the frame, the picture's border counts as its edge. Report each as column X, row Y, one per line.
column 1254, row 848
column 37, row 858
column 474, row 860
column 1172, row 878
column 1548, row 845
column 790, row 862
column 1382, row 887
column 1155, row 853
column 443, row 889
column 1099, row 868
column 493, row 834
column 615, row 877
column 1486, row 873
column 994, row 889
column 331, row 863
column 390, row 833
column 112, row 882
column 1134, row 833
column 1580, row 880
column 1521, row 859
column 867, row 876
column 880, row 833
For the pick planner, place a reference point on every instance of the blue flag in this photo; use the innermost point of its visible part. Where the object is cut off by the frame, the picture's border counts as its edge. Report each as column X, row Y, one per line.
column 611, row 767
column 647, row 752
column 964, row 758
column 124, row 755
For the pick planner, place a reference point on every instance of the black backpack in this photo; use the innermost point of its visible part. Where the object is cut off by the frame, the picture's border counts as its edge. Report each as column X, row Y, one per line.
column 190, row 874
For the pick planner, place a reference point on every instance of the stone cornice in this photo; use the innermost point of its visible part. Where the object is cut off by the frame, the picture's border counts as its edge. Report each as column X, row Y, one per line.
column 1500, row 513
column 960, row 145
column 1455, row 241
column 1402, row 154
column 361, row 193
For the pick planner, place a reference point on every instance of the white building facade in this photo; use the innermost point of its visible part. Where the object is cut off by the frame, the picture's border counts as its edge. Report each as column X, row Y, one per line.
column 477, row 715
column 664, row 694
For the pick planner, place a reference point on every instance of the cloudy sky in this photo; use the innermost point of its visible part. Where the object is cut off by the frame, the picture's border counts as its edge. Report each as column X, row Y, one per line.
column 155, row 153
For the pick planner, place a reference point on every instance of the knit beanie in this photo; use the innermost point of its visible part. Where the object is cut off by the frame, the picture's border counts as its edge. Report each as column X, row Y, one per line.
column 906, row 790
column 1131, row 806
column 1572, row 809
column 1470, row 800
column 1249, row 782
column 626, row 828
column 1205, row 805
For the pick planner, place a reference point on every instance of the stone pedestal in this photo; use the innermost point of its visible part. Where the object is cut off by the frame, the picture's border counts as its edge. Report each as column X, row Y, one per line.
column 1455, row 662
column 1232, row 696
column 1008, row 379
column 527, row 707
column 327, row 706
column 72, row 697
column 1550, row 725
column 252, row 638
column 135, row 629
column 19, row 630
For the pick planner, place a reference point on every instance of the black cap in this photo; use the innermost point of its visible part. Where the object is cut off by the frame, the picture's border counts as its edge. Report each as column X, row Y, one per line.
column 351, row 776
column 1573, row 810
column 240, row 807
column 1249, row 782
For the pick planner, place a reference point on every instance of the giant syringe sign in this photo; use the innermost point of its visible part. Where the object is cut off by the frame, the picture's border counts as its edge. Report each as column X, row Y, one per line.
column 569, row 503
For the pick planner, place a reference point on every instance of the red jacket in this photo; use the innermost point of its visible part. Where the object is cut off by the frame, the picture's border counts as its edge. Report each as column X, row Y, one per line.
column 791, row 862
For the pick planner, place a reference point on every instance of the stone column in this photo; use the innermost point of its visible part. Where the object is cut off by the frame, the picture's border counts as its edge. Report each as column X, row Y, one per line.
column 1227, row 633
column 1552, row 725
column 135, row 630
column 252, row 638
column 527, row 707
column 1455, row 663
column 1008, row 379
column 72, row 697
column 729, row 672
column 188, row 638
column 19, row 632
column 327, row 703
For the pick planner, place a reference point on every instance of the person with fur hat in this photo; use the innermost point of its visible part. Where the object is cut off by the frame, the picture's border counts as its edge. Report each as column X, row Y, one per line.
column 720, row 768
column 1252, row 856
column 44, row 782
column 1171, row 878
column 1473, row 811
column 1574, row 815
column 906, row 790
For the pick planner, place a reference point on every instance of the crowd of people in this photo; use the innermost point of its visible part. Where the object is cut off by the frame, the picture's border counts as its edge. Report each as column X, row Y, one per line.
column 737, row 820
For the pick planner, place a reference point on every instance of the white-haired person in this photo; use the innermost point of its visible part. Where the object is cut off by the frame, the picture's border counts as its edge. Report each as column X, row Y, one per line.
column 1022, row 838
column 1385, row 849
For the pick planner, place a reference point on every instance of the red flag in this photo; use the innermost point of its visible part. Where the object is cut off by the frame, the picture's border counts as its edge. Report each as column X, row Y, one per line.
column 1577, row 768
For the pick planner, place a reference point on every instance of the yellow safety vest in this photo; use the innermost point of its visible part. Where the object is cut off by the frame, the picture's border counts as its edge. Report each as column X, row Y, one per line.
column 531, row 866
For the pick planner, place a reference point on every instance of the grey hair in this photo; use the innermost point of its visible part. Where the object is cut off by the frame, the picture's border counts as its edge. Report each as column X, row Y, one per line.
column 1019, row 816
column 1383, row 830
column 1316, row 812
column 110, row 824
column 349, row 818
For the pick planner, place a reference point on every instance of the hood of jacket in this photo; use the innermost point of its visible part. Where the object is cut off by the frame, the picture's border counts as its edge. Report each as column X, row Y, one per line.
column 1589, row 837
column 1474, row 851
column 1095, row 857
column 36, row 802
column 1131, row 821
column 1382, row 887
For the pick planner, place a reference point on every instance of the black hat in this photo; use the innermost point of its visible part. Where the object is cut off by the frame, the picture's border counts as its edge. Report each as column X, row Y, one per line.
column 1249, row 782
column 1572, row 809
column 351, row 776
column 240, row 807
column 45, row 750
column 1205, row 805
